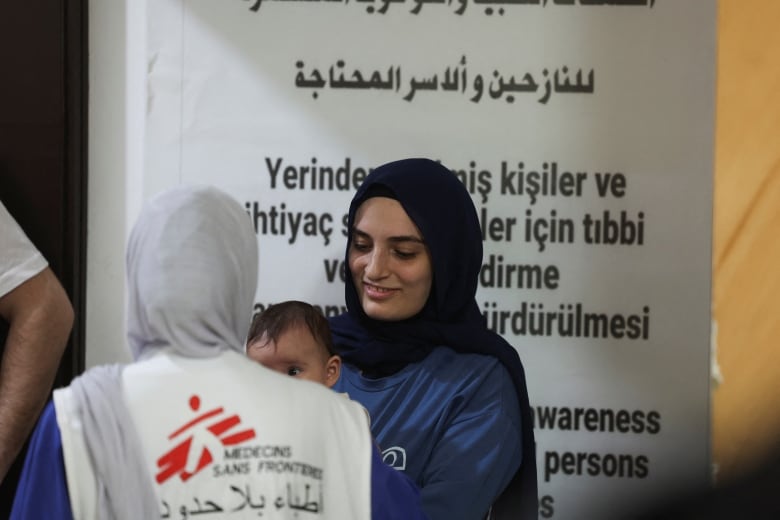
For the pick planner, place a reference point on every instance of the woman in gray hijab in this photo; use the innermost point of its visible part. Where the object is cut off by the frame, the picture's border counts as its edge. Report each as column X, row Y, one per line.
column 193, row 426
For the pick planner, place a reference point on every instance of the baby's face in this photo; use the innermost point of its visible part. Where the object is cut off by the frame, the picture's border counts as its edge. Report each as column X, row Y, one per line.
column 296, row 353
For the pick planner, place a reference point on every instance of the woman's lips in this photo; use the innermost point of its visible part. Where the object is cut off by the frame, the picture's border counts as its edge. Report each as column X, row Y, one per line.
column 377, row 293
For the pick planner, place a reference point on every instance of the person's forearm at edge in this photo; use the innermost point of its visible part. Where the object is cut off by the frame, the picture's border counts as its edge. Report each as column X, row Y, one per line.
column 40, row 318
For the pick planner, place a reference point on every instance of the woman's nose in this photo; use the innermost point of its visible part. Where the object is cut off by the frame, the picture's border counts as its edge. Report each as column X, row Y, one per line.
column 377, row 265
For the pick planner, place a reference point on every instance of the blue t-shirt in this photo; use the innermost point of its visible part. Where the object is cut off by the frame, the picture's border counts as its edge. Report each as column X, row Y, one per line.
column 451, row 422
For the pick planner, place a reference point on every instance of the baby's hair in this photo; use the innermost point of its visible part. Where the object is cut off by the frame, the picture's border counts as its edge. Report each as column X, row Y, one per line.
column 281, row 317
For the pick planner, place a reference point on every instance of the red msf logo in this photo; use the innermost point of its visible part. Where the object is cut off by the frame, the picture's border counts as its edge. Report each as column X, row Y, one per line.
column 208, row 433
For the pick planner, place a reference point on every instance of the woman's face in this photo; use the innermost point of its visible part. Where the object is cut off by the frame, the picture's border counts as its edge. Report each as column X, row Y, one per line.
column 389, row 262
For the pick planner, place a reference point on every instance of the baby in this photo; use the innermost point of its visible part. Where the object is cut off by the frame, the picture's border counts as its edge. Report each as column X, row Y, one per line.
column 294, row 338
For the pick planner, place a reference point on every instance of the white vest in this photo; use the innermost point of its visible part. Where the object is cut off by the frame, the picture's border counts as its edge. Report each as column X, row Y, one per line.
column 228, row 438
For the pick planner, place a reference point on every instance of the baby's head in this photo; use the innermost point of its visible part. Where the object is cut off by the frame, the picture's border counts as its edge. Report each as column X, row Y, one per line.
column 294, row 338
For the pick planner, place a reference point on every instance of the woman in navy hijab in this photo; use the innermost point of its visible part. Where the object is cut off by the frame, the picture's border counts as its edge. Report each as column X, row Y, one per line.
column 447, row 396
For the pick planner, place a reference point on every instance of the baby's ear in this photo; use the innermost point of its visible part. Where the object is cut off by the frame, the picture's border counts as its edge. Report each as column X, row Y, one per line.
column 332, row 370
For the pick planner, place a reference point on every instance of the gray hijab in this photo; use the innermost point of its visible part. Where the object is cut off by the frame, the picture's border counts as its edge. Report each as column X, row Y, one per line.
column 191, row 274
column 192, row 277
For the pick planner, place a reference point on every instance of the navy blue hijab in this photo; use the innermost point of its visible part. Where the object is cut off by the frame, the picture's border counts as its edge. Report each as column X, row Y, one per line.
column 442, row 209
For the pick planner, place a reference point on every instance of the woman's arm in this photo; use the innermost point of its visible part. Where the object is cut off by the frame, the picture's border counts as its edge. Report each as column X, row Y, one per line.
column 393, row 494
column 477, row 455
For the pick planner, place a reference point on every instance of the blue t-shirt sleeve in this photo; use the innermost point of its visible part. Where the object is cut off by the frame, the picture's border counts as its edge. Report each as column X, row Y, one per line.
column 42, row 491
column 476, row 456
column 393, row 495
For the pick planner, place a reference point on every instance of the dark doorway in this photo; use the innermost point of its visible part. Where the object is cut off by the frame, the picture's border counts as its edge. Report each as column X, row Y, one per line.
column 43, row 174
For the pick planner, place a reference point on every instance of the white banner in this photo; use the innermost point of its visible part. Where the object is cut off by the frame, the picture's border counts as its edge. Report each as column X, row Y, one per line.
column 583, row 130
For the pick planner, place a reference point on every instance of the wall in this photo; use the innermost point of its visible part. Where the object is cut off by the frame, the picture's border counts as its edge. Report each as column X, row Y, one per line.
column 116, row 114
column 746, row 253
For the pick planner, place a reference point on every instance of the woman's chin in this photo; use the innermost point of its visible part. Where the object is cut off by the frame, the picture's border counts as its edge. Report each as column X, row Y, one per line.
column 382, row 311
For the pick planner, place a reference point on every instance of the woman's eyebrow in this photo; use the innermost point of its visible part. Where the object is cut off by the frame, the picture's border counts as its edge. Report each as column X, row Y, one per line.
column 395, row 239
column 406, row 238
column 361, row 234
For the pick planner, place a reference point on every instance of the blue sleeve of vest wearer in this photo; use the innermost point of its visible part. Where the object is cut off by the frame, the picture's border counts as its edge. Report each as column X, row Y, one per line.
column 42, row 491
column 394, row 496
